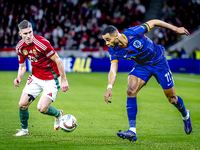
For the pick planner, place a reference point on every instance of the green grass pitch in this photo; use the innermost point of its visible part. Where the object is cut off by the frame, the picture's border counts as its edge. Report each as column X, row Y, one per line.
column 159, row 124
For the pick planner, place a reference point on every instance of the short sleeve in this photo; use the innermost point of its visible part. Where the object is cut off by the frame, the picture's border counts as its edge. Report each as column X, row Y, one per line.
column 21, row 57
column 112, row 57
column 49, row 52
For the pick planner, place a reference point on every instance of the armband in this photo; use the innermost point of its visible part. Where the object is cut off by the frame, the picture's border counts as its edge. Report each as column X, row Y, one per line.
column 146, row 27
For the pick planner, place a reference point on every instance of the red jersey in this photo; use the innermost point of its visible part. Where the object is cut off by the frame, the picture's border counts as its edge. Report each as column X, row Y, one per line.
column 39, row 53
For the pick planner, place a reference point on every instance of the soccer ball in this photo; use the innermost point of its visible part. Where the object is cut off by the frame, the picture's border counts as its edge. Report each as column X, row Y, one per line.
column 68, row 123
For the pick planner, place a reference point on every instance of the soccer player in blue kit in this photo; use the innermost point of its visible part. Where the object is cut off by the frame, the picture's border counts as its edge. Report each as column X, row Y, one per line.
column 150, row 61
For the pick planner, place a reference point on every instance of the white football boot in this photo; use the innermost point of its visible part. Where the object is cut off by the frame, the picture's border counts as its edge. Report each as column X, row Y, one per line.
column 21, row 132
column 57, row 119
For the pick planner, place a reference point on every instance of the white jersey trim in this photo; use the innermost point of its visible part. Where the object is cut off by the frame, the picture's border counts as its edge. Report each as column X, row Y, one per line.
column 40, row 44
column 19, row 43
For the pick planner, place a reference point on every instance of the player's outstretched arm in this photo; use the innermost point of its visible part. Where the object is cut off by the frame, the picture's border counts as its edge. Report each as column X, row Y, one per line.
column 156, row 22
column 64, row 84
column 111, row 81
column 21, row 73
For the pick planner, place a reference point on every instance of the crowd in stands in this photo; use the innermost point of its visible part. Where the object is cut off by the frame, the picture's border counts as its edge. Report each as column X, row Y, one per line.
column 70, row 24
column 181, row 13
column 77, row 24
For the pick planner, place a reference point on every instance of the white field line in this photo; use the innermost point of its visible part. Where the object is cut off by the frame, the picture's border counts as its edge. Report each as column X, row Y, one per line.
column 186, row 79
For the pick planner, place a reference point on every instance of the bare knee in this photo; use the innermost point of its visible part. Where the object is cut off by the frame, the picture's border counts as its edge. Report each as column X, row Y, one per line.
column 42, row 109
column 131, row 92
column 22, row 106
column 171, row 95
column 172, row 99
column 134, row 85
column 25, row 101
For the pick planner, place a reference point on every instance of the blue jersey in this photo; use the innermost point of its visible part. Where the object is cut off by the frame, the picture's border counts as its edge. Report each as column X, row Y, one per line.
column 139, row 47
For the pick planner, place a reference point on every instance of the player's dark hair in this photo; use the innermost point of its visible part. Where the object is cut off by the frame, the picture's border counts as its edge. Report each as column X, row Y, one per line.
column 109, row 29
column 24, row 24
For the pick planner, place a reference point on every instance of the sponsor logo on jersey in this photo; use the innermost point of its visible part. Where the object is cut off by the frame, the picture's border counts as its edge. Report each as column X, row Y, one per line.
column 50, row 94
column 169, row 84
column 29, row 80
column 25, row 52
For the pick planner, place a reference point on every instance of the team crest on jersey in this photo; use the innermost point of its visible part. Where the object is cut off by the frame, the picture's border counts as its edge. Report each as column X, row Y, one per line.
column 25, row 52
column 137, row 44
column 34, row 52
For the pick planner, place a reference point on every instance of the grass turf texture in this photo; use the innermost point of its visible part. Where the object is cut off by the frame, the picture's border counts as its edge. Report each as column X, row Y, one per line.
column 159, row 124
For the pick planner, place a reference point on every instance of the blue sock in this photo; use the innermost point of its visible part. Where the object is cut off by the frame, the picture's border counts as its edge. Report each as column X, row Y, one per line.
column 132, row 111
column 181, row 107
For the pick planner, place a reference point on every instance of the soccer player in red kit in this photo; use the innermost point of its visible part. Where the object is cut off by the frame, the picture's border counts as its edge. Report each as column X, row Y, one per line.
column 47, row 73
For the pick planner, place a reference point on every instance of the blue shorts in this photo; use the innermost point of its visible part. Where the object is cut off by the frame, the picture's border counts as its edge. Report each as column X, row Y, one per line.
column 160, row 71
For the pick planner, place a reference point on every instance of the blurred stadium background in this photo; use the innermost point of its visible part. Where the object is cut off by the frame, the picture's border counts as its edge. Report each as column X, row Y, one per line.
column 74, row 29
